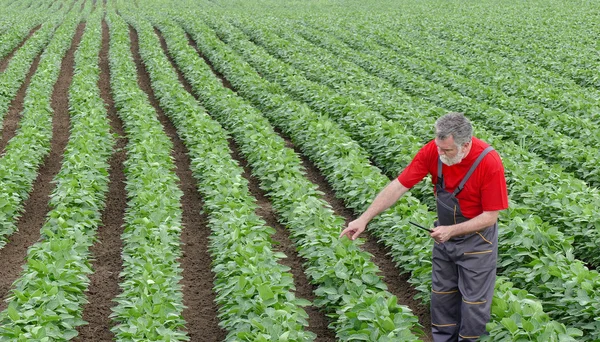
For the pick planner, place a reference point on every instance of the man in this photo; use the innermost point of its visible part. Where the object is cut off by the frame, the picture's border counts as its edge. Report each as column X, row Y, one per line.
column 470, row 190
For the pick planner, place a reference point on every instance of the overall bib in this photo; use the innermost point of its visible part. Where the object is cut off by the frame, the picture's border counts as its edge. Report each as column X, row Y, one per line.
column 463, row 270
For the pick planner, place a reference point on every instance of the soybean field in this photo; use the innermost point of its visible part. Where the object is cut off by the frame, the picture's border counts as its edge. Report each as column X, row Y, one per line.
column 181, row 170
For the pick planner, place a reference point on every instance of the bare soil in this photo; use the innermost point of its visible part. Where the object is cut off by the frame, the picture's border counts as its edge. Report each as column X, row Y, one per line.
column 12, row 256
column 106, row 252
column 201, row 313
column 4, row 63
column 13, row 116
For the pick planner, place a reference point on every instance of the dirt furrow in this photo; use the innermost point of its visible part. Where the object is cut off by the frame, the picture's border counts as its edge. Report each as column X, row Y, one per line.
column 106, row 252
column 317, row 320
column 201, row 313
column 11, row 120
column 36, row 207
column 4, row 63
column 398, row 284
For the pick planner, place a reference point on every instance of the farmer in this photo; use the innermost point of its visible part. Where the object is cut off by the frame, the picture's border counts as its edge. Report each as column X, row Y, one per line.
column 470, row 190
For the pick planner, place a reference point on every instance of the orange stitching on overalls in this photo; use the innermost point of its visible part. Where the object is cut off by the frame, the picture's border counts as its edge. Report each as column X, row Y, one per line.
column 443, row 325
column 455, row 214
column 468, row 336
column 484, row 239
column 442, row 292
column 474, row 303
column 482, row 252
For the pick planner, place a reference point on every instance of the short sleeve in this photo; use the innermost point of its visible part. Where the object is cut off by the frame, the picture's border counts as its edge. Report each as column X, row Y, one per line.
column 494, row 194
column 418, row 168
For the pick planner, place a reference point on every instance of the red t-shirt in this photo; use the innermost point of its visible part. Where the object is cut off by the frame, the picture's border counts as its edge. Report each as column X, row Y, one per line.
column 484, row 191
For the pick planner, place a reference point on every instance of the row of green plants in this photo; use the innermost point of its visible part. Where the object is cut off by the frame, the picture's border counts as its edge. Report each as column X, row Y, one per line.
column 25, row 152
column 16, row 6
column 255, row 294
column 346, row 166
column 47, row 301
column 150, row 305
column 576, row 313
column 577, row 214
column 348, row 287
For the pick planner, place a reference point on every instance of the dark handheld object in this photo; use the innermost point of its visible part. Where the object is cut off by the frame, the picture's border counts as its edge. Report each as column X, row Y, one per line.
column 420, row 226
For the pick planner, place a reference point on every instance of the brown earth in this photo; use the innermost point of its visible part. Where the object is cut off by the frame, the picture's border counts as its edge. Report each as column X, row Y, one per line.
column 12, row 256
column 4, row 63
column 317, row 320
column 11, row 120
column 201, row 313
column 106, row 252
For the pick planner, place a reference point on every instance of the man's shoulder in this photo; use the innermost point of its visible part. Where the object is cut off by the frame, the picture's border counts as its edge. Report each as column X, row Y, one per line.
column 492, row 159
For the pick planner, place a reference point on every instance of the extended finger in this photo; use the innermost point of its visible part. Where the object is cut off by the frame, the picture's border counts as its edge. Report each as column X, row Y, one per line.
column 346, row 232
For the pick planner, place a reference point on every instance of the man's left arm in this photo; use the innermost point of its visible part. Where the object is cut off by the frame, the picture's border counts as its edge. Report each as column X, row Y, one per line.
column 442, row 234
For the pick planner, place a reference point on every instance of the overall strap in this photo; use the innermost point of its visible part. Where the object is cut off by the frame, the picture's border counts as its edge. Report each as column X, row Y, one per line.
column 471, row 170
column 440, row 177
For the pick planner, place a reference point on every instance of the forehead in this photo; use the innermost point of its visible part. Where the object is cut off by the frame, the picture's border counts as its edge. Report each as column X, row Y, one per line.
column 447, row 143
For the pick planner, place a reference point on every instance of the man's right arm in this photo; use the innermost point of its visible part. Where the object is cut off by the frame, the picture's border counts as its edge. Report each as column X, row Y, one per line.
column 385, row 199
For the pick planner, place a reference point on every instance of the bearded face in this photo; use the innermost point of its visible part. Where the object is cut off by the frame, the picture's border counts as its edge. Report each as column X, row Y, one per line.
column 450, row 153
column 460, row 155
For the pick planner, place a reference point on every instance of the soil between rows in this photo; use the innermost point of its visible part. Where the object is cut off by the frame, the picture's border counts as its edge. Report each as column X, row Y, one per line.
column 317, row 320
column 11, row 120
column 13, row 255
column 201, row 313
column 6, row 61
column 106, row 252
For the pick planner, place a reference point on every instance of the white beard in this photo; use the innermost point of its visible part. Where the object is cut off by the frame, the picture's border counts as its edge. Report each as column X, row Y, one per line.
column 451, row 161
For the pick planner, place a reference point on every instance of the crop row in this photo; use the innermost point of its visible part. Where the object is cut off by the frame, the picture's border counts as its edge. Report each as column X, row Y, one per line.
column 511, row 265
column 151, row 302
column 255, row 293
column 348, row 286
column 19, row 29
column 418, row 116
column 47, row 301
column 344, row 163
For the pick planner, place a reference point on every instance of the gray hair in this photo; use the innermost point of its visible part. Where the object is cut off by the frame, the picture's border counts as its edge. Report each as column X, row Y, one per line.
column 455, row 125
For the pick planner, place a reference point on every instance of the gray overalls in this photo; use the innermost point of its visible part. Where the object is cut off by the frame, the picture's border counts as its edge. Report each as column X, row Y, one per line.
column 463, row 270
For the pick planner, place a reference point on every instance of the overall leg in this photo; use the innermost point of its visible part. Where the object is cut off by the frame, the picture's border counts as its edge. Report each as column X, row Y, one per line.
column 477, row 288
column 476, row 280
column 445, row 297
